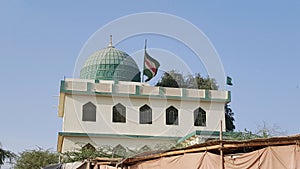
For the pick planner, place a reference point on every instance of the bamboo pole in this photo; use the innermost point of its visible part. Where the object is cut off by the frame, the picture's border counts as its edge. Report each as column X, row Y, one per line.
column 221, row 146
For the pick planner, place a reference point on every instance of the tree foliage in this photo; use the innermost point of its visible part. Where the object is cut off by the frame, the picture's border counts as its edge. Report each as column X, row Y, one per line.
column 6, row 155
column 110, row 152
column 229, row 119
column 203, row 82
column 245, row 135
column 176, row 80
column 87, row 153
column 171, row 79
column 36, row 159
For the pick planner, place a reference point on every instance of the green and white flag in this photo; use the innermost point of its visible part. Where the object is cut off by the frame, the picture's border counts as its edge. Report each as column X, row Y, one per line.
column 229, row 81
column 150, row 66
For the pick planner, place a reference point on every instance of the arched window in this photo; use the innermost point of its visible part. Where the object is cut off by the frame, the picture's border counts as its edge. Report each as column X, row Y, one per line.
column 89, row 112
column 172, row 116
column 145, row 115
column 199, row 117
column 119, row 113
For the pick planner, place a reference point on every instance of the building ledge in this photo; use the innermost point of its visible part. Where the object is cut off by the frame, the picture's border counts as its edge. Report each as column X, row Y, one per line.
column 74, row 134
column 61, row 136
column 134, row 89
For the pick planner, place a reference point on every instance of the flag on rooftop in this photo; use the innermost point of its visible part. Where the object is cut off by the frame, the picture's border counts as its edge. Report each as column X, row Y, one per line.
column 229, row 81
column 150, row 65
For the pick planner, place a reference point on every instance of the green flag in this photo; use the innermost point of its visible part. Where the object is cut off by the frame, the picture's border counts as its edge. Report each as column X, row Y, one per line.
column 229, row 81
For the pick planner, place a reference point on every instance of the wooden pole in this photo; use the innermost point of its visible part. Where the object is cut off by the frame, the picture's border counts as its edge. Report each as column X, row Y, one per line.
column 221, row 145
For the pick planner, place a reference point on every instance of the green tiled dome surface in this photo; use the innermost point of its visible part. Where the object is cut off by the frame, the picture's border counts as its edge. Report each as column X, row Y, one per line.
column 110, row 64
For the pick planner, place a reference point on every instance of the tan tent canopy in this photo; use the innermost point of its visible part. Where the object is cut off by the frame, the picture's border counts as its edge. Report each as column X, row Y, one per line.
column 275, row 153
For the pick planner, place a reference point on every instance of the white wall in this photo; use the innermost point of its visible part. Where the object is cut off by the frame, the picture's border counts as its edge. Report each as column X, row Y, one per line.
column 73, row 116
column 71, row 110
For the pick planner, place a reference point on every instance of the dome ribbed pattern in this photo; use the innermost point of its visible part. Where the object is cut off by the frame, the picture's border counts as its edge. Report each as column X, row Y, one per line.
column 110, row 64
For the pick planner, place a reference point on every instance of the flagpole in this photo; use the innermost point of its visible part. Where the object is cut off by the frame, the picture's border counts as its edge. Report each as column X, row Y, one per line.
column 144, row 60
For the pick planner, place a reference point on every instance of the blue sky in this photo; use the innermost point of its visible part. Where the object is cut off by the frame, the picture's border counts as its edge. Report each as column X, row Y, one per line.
column 258, row 43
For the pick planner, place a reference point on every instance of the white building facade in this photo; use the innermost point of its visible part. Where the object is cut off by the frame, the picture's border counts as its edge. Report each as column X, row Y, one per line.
column 104, row 107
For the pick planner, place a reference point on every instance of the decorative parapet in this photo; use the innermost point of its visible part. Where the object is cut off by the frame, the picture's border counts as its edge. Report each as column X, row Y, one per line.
column 80, row 86
column 103, row 87
column 173, row 91
column 149, row 90
column 124, row 89
column 75, row 86
column 195, row 93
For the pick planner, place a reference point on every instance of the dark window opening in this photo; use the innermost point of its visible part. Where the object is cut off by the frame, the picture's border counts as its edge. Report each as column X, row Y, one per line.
column 145, row 115
column 89, row 112
column 172, row 116
column 199, row 117
column 119, row 113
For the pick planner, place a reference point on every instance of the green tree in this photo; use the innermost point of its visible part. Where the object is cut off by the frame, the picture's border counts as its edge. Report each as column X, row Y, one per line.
column 205, row 82
column 6, row 155
column 36, row 159
column 87, row 153
column 176, row 80
column 229, row 119
column 245, row 135
column 171, row 79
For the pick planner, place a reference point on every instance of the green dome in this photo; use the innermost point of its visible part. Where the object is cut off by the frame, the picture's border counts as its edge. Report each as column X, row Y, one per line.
column 110, row 64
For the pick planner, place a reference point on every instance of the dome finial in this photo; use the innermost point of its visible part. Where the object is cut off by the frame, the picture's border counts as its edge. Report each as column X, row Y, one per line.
column 110, row 41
